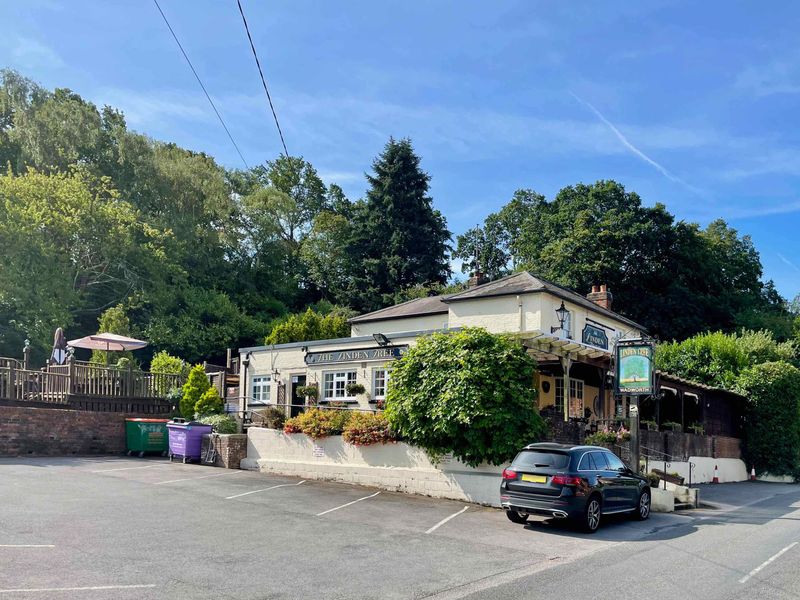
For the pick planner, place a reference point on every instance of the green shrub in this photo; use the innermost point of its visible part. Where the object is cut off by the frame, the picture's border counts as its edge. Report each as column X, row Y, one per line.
column 364, row 429
column 209, row 404
column 292, row 425
column 272, row 417
column 653, row 479
column 608, row 436
column 221, row 423
column 772, row 432
column 194, row 388
column 310, row 325
column 469, row 393
column 309, row 391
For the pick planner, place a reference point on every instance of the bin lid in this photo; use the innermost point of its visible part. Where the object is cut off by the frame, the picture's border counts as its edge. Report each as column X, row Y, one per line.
column 148, row 420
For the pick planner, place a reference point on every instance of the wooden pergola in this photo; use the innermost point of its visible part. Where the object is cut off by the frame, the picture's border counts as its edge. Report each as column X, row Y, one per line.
column 548, row 348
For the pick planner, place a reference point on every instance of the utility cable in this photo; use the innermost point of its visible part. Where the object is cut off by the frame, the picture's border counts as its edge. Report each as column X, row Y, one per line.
column 263, row 81
column 208, row 97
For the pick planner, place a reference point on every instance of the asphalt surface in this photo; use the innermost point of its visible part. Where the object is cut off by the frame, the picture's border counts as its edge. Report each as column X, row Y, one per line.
column 126, row 528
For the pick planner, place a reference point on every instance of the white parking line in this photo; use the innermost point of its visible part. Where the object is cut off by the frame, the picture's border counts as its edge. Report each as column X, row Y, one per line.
column 446, row 519
column 766, row 562
column 27, row 546
column 79, row 589
column 128, row 468
column 265, row 489
column 202, row 477
column 325, row 512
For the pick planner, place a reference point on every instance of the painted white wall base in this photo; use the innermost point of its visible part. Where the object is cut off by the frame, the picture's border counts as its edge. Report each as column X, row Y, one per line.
column 730, row 469
column 662, row 500
column 395, row 467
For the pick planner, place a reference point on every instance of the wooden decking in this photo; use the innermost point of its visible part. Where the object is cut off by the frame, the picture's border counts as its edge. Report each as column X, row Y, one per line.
column 88, row 386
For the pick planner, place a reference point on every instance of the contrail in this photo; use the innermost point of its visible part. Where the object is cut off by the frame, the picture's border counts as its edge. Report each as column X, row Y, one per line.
column 631, row 147
column 788, row 262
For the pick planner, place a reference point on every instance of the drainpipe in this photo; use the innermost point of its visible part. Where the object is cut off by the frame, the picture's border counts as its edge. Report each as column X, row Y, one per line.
column 521, row 316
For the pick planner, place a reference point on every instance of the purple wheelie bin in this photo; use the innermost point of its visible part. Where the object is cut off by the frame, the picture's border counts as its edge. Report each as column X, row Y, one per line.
column 185, row 439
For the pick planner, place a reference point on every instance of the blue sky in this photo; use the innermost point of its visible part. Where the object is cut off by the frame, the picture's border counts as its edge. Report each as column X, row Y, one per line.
column 691, row 104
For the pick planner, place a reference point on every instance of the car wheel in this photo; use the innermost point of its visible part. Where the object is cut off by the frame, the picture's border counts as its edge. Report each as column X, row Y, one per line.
column 591, row 514
column 516, row 517
column 643, row 508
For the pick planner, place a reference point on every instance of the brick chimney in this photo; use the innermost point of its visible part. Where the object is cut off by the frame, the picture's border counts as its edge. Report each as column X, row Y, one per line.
column 601, row 296
column 477, row 279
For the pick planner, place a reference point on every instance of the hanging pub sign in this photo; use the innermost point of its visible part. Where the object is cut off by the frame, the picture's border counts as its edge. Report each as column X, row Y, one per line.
column 634, row 372
column 595, row 336
column 359, row 355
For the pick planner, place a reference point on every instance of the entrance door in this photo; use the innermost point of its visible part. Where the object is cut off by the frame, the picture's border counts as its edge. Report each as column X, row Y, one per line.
column 297, row 403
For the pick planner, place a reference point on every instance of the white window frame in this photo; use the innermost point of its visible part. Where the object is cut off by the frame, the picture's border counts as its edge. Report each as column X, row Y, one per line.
column 574, row 384
column 329, row 394
column 262, row 383
column 386, row 375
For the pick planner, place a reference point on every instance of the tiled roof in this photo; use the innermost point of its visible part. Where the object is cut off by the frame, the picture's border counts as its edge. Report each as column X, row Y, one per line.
column 418, row 307
column 525, row 282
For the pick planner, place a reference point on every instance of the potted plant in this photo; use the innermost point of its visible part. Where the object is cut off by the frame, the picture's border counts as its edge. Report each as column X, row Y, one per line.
column 649, row 425
column 354, row 389
column 697, row 429
column 309, row 392
column 672, row 426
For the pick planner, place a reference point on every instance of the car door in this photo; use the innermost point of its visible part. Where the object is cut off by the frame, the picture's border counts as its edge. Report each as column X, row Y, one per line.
column 609, row 483
column 627, row 484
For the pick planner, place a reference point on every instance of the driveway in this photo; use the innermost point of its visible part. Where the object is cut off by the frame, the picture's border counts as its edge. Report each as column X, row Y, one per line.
column 127, row 528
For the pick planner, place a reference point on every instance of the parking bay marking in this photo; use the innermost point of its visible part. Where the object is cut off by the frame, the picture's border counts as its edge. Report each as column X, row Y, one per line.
column 266, row 489
column 128, row 468
column 325, row 512
column 93, row 588
column 766, row 562
column 446, row 519
column 27, row 545
column 193, row 478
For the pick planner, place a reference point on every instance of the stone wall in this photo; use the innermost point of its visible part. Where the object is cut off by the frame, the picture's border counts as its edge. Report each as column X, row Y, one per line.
column 230, row 449
column 26, row 431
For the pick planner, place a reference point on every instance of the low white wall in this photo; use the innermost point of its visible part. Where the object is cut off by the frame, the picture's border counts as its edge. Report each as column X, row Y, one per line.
column 396, row 467
column 730, row 469
column 662, row 500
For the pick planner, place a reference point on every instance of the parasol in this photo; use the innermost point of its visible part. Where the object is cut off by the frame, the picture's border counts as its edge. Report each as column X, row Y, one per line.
column 59, row 354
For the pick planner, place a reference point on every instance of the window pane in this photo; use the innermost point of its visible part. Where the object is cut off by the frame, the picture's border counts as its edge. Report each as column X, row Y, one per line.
column 600, row 461
column 614, row 463
column 528, row 459
column 587, row 464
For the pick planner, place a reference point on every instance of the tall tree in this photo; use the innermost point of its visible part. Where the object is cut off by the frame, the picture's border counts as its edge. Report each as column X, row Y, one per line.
column 399, row 240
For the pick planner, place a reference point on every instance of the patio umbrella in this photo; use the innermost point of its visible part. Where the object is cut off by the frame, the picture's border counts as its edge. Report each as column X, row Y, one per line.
column 107, row 342
column 59, row 354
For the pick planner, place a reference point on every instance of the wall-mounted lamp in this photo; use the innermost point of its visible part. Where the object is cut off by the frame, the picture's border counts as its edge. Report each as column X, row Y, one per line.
column 561, row 313
column 380, row 339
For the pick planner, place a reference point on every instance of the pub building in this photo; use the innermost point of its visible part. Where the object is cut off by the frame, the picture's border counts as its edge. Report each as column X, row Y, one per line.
column 569, row 335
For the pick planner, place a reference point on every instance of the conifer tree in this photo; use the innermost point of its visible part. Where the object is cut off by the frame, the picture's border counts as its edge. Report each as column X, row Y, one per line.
column 399, row 239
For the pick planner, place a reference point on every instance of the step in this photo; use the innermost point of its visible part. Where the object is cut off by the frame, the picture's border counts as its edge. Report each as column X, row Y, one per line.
column 684, row 506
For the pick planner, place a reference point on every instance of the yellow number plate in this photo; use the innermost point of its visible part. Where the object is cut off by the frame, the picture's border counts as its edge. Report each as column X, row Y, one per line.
column 535, row 478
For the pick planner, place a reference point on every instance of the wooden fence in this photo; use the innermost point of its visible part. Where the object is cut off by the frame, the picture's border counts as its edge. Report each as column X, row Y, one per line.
column 87, row 384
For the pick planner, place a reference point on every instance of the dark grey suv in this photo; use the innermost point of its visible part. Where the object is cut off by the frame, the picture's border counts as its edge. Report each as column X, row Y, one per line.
column 581, row 483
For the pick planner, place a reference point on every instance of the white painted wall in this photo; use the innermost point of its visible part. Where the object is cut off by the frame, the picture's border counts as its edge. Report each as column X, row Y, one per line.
column 420, row 323
column 396, row 467
column 730, row 469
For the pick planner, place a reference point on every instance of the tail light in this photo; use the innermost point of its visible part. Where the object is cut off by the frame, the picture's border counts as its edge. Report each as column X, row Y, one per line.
column 509, row 474
column 566, row 480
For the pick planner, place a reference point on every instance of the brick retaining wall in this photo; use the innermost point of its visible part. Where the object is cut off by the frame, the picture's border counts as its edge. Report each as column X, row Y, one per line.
column 26, row 431
column 231, row 448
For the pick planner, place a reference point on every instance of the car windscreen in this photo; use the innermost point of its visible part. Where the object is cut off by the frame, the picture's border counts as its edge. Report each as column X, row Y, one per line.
column 531, row 459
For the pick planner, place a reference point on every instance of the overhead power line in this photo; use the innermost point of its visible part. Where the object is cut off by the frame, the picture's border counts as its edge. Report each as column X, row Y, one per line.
column 263, row 81
column 208, row 97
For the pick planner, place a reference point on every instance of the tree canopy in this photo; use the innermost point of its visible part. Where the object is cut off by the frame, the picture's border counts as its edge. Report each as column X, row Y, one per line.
column 675, row 278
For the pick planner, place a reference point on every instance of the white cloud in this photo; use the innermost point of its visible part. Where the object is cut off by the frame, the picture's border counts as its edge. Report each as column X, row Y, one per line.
column 788, row 262
column 778, row 77
column 631, row 147
column 30, row 54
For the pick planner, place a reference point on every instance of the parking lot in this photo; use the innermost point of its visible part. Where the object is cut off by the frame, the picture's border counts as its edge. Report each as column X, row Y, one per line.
column 129, row 528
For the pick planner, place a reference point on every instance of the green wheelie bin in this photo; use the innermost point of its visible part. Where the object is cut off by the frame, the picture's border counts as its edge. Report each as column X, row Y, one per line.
column 146, row 435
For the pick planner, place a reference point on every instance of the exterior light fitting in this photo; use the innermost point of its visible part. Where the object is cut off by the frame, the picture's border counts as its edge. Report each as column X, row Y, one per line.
column 561, row 313
column 380, row 339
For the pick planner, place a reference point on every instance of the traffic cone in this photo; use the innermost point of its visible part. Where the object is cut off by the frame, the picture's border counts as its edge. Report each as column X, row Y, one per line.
column 716, row 475
column 753, row 474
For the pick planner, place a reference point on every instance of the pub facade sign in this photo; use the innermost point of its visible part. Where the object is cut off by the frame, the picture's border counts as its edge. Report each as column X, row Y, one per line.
column 634, row 372
column 595, row 336
column 332, row 357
